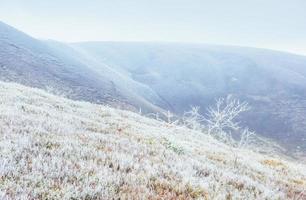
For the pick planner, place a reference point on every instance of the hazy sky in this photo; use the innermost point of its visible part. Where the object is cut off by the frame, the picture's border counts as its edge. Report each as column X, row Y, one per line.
column 274, row 24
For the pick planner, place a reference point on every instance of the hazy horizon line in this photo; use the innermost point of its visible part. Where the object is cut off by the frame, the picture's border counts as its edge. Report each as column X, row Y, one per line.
column 162, row 42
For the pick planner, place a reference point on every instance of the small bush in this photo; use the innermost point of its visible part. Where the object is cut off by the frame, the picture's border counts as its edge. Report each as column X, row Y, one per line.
column 221, row 122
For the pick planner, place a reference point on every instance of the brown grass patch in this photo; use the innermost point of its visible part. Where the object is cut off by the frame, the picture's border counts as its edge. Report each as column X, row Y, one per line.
column 272, row 163
column 175, row 190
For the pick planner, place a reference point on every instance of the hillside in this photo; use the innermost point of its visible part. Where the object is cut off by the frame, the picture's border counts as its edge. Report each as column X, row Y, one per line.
column 273, row 83
column 55, row 148
column 156, row 77
column 58, row 68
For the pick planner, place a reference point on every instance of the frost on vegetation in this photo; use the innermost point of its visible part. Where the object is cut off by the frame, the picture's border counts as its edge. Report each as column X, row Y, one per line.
column 54, row 148
column 193, row 119
column 220, row 122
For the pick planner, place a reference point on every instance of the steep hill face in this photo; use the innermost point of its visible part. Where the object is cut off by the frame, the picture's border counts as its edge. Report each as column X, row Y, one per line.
column 55, row 148
column 59, row 68
column 273, row 83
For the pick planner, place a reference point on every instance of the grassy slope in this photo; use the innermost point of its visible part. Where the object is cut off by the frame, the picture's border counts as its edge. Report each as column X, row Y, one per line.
column 51, row 147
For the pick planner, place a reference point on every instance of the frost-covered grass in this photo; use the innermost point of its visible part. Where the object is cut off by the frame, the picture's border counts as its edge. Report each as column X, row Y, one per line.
column 55, row 148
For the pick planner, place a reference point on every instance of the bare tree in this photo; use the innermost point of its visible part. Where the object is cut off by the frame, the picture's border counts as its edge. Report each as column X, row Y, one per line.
column 222, row 117
column 221, row 121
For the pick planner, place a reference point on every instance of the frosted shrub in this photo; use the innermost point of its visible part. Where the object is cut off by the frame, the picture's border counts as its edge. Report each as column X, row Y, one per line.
column 222, row 117
column 170, row 117
column 193, row 119
column 221, row 121
column 246, row 138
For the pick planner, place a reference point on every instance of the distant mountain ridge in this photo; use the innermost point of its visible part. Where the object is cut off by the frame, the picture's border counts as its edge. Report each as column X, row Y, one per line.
column 58, row 67
column 167, row 76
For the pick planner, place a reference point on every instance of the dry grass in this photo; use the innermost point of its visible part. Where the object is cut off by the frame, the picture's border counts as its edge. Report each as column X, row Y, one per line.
column 273, row 163
column 54, row 148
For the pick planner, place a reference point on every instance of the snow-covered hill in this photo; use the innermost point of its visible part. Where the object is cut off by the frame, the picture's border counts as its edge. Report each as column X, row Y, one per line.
column 55, row 148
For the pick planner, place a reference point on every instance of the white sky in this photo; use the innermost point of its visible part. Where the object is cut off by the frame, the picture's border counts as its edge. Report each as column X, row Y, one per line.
column 273, row 24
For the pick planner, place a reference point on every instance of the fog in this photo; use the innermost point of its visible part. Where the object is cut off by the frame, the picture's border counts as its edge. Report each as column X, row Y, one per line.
column 269, row 24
